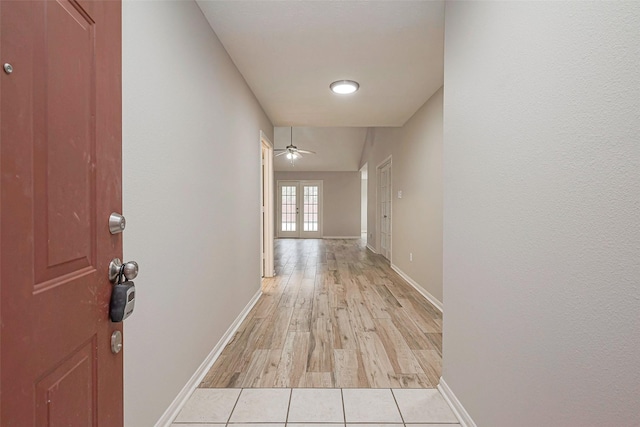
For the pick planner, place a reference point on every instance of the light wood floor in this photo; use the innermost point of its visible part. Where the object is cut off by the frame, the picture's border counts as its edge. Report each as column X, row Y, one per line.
column 335, row 315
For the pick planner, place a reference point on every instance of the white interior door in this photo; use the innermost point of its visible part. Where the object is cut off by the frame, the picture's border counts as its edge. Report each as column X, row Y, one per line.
column 385, row 209
column 268, row 207
column 300, row 209
column 263, row 219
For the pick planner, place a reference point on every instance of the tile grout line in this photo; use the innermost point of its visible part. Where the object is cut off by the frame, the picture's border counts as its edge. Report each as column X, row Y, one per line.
column 234, row 407
column 397, row 406
column 344, row 411
column 286, row 420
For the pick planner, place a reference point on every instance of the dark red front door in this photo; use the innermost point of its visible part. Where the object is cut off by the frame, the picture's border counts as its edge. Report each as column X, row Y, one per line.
column 60, row 166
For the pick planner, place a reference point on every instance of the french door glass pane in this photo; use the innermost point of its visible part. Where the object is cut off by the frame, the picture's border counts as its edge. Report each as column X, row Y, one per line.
column 310, row 208
column 288, row 208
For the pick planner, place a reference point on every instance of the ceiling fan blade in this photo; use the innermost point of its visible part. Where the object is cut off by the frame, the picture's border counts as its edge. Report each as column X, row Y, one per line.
column 280, row 154
column 277, row 150
column 306, row 152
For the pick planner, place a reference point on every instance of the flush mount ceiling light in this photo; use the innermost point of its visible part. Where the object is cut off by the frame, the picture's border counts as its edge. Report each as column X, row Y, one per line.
column 344, row 87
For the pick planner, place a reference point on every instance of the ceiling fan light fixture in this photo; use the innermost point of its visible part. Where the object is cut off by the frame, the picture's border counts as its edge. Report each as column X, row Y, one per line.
column 344, row 87
column 291, row 152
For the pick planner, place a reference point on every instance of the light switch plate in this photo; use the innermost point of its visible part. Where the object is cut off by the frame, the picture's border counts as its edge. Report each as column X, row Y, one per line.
column 399, row 194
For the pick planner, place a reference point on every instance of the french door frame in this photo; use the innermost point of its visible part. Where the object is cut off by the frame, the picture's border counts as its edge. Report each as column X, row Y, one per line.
column 299, row 229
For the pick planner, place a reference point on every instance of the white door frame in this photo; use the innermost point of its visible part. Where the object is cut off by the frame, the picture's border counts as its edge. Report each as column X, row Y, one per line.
column 267, row 206
column 381, row 165
column 300, row 233
column 364, row 209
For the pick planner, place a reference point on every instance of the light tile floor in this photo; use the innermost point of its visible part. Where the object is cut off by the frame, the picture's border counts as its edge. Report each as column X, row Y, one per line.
column 299, row 407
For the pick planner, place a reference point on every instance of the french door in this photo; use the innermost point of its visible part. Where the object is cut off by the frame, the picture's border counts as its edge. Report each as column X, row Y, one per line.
column 300, row 209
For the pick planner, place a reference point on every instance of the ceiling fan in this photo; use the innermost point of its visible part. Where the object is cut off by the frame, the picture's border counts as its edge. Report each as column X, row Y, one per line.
column 292, row 152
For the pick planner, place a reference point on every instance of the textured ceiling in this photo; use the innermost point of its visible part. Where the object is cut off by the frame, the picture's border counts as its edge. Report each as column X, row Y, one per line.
column 337, row 149
column 290, row 51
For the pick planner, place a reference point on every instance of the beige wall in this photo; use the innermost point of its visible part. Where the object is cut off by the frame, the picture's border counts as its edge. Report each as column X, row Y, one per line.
column 191, row 156
column 542, row 212
column 341, row 198
column 416, row 151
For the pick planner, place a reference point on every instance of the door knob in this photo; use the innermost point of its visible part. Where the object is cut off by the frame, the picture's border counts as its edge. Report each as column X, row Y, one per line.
column 129, row 269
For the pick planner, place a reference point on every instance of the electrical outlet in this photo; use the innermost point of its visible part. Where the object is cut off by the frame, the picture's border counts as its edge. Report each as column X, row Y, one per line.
column 410, row 256
column 399, row 194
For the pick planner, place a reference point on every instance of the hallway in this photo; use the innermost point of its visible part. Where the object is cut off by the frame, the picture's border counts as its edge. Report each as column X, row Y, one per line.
column 335, row 315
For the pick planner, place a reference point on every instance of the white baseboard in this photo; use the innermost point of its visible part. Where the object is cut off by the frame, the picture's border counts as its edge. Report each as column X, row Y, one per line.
column 456, row 406
column 181, row 399
column 342, row 237
column 433, row 300
column 371, row 248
